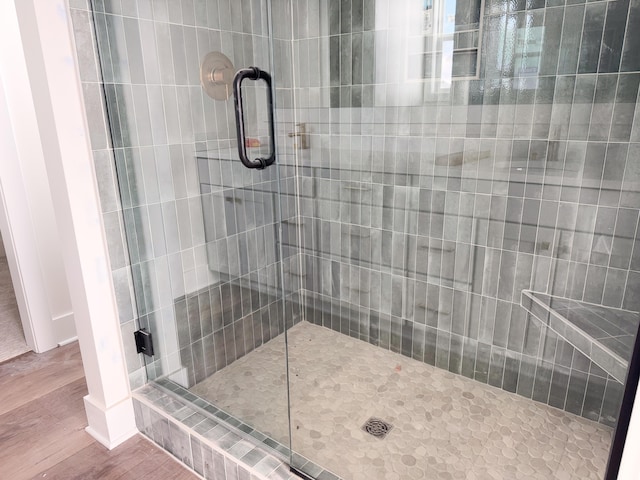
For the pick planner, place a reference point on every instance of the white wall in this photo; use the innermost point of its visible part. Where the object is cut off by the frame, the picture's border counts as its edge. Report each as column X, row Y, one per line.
column 27, row 218
column 2, row 252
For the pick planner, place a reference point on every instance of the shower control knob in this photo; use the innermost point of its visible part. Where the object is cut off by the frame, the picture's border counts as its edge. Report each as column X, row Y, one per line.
column 216, row 75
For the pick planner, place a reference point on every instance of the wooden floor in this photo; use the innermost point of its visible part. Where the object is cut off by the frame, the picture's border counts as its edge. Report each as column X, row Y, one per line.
column 42, row 421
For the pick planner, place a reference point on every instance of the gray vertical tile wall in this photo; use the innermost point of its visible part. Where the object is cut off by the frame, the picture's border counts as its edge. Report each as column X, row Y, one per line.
column 192, row 236
column 423, row 221
column 419, row 224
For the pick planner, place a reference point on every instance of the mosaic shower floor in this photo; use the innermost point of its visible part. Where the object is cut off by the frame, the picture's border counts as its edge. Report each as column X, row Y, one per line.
column 445, row 426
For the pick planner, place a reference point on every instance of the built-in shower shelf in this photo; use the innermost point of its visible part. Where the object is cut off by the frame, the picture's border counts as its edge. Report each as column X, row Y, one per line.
column 604, row 334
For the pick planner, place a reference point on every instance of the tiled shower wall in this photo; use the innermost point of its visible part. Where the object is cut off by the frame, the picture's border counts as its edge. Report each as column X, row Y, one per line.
column 199, row 261
column 422, row 222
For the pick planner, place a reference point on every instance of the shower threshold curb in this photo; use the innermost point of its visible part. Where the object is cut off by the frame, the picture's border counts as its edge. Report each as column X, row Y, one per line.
column 205, row 444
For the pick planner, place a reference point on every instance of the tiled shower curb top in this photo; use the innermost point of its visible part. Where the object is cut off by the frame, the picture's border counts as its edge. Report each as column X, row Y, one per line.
column 272, row 446
column 203, row 444
column 269, row 444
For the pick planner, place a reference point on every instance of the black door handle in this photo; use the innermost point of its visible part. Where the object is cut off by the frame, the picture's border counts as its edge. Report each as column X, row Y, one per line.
column 253, row 73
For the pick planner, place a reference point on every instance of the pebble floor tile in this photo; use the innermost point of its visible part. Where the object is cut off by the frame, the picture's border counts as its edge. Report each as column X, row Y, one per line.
column 444, row 426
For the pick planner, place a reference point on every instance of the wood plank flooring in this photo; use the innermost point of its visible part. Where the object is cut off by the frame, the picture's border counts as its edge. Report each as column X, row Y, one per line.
column 30, row 376
column 42, row 423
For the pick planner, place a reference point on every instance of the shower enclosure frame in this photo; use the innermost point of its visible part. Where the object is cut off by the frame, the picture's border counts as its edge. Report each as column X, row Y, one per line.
column 624, row 419
column 625, row 412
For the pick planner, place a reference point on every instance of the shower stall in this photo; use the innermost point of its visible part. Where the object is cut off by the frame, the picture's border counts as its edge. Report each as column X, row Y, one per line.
column 432, row 267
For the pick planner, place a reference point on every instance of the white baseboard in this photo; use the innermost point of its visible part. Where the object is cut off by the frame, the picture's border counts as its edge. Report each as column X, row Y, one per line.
column 65, row 329
column 68, row 341
column 110, row 426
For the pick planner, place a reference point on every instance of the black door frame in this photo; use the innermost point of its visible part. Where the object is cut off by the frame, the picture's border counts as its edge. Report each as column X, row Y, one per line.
column 624, row 417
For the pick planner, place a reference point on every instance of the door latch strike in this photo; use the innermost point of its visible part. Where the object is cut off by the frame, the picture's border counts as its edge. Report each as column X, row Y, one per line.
column 144, row 342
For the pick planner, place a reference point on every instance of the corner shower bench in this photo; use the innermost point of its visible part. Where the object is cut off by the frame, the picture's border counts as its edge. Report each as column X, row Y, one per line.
column 604, row 334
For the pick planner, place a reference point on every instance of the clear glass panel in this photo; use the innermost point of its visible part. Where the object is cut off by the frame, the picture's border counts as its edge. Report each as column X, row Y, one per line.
column 202, row 230
column 447, row 239
column 469, row 210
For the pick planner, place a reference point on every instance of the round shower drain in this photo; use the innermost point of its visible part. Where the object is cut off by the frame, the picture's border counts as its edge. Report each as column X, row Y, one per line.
column 376, row 427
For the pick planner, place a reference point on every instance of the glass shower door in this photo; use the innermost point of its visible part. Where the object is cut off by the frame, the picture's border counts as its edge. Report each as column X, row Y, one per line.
column 202, row 229
column 453, row 181
column 469, row 216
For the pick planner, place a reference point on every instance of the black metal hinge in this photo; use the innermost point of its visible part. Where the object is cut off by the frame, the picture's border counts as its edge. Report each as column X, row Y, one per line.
column 144, row 342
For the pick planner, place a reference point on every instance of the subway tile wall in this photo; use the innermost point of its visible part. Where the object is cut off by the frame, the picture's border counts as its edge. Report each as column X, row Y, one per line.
column 192, row 237
column 426, row 211
column 420, row 224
